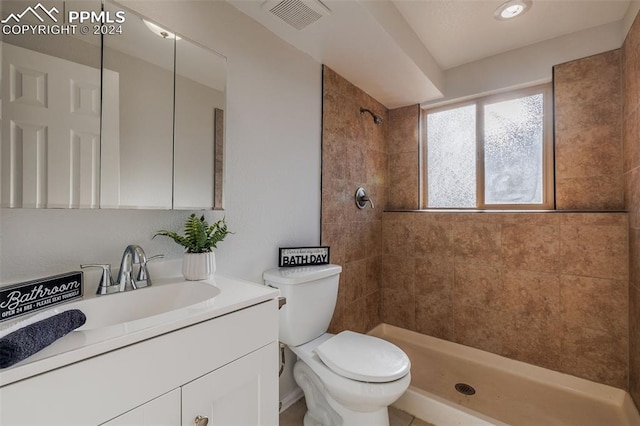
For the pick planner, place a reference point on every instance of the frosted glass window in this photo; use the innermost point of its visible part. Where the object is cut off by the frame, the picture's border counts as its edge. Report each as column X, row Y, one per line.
column 451, row 157
column 489, row 153
column 513, row 149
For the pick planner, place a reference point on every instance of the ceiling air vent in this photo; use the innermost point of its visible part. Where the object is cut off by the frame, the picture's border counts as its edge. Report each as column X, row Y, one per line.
column 297, row 13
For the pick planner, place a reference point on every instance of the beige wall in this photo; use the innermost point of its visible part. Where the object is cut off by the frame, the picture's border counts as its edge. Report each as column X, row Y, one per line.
column 631, row 138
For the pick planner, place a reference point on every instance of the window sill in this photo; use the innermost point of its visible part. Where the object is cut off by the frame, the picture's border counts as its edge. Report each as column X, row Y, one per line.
column 500, row 211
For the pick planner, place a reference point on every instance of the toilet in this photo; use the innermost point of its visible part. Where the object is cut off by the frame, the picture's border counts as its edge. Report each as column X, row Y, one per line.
column 349, row 378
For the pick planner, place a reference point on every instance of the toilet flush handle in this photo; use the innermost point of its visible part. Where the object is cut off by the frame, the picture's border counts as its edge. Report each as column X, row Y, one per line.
column 362, row 199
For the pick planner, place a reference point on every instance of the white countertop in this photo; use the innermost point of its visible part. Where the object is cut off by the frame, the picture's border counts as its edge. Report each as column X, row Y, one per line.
column 78, row 345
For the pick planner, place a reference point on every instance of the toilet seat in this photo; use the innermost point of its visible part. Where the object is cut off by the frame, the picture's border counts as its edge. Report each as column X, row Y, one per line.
column 363, row 358
column 357, row 395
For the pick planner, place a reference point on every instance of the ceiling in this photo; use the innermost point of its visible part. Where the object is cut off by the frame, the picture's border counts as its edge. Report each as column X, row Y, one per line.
column 457, row 32
column 403, row 52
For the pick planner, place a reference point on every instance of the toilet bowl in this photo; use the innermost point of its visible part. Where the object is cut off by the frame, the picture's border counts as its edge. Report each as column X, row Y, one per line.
column 348, row 378
column 344, row 400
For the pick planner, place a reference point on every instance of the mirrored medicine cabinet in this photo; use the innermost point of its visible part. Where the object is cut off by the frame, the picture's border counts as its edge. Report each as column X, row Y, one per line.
column 129, row 119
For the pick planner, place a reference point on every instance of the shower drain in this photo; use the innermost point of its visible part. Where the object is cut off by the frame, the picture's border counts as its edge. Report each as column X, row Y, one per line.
column 465, row 389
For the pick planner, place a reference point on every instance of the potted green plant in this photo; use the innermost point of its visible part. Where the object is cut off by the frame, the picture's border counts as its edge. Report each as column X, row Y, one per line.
column 199, row 240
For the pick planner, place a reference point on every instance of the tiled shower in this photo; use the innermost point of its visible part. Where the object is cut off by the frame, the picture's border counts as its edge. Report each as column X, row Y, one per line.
column 560, row 290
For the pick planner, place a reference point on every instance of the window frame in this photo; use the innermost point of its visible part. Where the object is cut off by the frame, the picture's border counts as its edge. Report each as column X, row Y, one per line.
column 548, row 184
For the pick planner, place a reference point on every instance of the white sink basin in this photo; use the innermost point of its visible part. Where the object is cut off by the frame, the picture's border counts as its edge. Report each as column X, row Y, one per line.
column 122, row 319
column 135, row 305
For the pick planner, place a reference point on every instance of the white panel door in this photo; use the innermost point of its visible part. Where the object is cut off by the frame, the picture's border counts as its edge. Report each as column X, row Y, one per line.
column 50, row 132
column 242, row 393
column 162, row 411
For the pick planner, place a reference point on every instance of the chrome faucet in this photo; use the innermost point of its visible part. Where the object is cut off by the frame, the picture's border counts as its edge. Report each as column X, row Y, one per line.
column 132, row 255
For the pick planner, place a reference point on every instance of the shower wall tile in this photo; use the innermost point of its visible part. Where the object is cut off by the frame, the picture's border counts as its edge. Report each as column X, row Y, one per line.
column 632, row 196
column 403, row 130
column 373, row 303
column 531, row 247
column 478, row 242
column 532, row 218
column 631, row 134
column 607, row 256
column 354, row 154
column 601, row 303
column 477, row 286
column 398, row 273
column 356, row 236
column 542, row 288
column 398, row 308
column 590, row 193
column 534, row 340
column 603, row 219
column 355, row 274
column 634, row 343
column 398, row 238
column 333, row 237
column 634, row 257
column 480, row 328
column 631, row 68
column 434, row 274
column 532, row 295
column 590, row 162
column 356, row 316
column 434, row 237
column 373, row 280
column 588, row 137
column 596, row 355
column 403, row 148
column 433, row 313
column 631, row 140
column 403, row 181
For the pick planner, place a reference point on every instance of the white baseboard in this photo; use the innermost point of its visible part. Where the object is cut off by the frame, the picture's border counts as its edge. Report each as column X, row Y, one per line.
column 291, row 398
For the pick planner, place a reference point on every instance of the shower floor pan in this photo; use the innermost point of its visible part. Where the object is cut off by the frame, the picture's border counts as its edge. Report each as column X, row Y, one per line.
column 507, row 392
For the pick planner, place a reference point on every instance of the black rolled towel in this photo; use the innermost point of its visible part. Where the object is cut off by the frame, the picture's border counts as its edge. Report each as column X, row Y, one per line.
column 23, row 343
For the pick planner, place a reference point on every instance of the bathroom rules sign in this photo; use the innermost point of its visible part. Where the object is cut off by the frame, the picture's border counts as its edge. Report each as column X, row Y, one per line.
column 28, row 297
column 304, row 256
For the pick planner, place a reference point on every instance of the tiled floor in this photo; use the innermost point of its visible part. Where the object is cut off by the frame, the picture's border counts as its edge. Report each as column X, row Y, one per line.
column 293, row 416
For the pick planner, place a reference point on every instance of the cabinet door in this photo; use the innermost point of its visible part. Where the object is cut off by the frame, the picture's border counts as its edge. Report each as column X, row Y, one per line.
column 162, row 411
column 242, row 393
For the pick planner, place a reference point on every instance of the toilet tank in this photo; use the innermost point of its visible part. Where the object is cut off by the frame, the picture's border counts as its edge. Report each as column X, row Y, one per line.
column 311, row 293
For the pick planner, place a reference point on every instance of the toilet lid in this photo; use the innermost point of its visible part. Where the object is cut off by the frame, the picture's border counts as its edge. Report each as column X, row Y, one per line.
column 364, row 358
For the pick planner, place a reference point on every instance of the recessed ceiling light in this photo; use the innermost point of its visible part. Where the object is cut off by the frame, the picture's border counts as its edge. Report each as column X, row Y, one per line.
column 511, row 9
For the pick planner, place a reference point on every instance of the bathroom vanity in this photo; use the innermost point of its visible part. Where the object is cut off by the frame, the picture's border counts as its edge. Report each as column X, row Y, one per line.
column 216, row 358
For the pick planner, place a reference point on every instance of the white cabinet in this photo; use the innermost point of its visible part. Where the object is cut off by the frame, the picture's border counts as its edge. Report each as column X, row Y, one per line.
column 238, row 394
column 225, row 368
column 162, row 411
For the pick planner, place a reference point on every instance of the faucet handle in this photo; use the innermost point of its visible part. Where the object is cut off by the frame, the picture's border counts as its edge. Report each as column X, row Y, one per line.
column 143, row 273
column 106, row 281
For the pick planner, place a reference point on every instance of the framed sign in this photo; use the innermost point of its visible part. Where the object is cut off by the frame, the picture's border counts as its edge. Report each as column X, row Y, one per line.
column 29, row 297
column 303, row 256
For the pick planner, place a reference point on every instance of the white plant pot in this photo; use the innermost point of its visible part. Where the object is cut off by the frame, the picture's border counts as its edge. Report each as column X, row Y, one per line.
column 198, row 266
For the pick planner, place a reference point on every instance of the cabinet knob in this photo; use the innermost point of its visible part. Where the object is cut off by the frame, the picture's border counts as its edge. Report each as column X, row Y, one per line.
column 201, row 421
